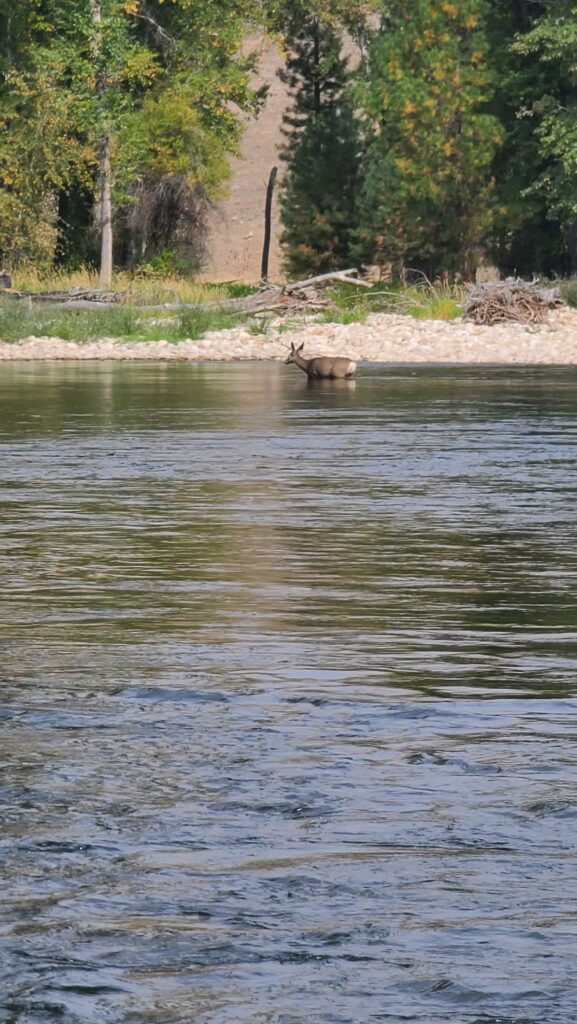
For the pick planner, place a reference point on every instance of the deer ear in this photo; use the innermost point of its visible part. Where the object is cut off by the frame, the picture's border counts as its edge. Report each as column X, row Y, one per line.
column 300, row 348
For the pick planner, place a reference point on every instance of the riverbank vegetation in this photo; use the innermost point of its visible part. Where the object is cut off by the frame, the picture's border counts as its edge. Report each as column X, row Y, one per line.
column 448, row 137
column 200, row 312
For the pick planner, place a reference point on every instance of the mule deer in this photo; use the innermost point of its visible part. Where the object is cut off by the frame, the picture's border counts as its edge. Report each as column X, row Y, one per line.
column 322, row 367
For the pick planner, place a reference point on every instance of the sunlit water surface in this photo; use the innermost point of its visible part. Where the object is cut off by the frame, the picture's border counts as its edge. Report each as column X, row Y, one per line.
column 288, row 695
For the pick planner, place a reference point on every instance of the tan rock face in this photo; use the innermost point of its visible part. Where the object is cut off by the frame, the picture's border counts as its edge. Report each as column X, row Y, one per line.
column 237, row 224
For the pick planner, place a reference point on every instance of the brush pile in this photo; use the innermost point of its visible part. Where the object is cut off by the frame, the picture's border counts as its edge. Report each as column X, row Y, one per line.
column 497, row 302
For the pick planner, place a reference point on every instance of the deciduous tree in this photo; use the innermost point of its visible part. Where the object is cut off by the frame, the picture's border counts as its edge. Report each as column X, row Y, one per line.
column 139, row 90
column 426, row 200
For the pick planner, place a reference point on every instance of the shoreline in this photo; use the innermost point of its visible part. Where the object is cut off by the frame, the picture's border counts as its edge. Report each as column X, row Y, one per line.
column 381, row 338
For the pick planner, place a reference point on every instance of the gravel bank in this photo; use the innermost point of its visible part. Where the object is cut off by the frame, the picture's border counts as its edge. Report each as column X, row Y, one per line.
column 382, row 338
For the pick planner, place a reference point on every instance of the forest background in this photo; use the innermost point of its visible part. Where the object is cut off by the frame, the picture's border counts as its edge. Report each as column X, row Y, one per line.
column 449, row 139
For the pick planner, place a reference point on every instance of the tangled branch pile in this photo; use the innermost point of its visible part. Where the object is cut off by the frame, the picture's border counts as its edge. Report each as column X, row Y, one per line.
column 170, row 214
column 497, row 302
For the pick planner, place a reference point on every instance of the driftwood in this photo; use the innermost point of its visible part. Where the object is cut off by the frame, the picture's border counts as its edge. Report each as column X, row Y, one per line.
column 298, row 296
column 497, row 302
column 99, row 296
column 348, row 276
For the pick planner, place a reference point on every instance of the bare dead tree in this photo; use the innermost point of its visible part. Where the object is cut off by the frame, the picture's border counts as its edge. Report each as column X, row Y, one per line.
column 170, row 213
column 267, row 225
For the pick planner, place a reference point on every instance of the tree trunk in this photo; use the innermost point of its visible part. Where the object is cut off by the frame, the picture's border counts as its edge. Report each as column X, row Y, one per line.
column 267, row 226
column 105, row 204
column 104, row 201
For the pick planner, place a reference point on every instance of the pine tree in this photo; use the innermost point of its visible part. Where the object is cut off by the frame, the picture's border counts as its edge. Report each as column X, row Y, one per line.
column 525, row 237
column 322, row 151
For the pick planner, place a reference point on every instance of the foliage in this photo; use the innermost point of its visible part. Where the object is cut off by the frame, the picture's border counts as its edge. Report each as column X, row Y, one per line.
column 161, row 82
column 353, row 15
column 123, row 322
column 421, row 300
column 322, row 152
column 568, row 289
column 426, row 199
column 524, row 237
column 552, row 111
column 38, row 157
column 318, row 201
column 460, row 138
column 133, row 325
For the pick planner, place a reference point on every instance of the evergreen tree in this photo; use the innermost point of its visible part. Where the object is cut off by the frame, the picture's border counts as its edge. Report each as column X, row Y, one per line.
column 427, row 196
column 322, row 151
column 549, row 109
column 525, row 237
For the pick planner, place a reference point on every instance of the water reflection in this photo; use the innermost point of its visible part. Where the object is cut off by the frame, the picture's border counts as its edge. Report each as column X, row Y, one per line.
column 288, row 694
column 345, row 385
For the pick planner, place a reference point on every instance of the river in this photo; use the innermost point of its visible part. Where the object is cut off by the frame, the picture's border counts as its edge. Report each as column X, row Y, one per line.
column 288, row 698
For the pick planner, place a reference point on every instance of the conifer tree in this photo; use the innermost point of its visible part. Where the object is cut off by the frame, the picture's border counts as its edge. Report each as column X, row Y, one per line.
column 525, row 237
column 322, row 151
column 548, row 109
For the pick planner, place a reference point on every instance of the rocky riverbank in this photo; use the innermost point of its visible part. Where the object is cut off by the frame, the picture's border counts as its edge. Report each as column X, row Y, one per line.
column 383, row 338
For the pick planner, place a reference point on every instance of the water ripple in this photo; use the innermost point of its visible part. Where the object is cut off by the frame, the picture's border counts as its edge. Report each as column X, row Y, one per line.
column 288, row 701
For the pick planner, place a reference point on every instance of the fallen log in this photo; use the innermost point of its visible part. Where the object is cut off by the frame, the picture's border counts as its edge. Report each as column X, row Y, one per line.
column 348, row 276
column 271, row 297
column 283, row 304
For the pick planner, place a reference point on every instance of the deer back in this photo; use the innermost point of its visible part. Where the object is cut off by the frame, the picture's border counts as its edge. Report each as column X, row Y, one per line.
column 328, row 367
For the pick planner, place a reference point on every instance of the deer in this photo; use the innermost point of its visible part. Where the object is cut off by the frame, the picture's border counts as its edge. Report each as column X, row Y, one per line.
column 322, row 367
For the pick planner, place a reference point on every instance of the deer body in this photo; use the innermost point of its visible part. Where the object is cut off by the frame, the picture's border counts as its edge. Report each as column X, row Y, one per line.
column 322, row 367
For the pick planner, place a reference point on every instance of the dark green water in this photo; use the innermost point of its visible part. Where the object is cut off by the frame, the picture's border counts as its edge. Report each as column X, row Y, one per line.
column 288, row 698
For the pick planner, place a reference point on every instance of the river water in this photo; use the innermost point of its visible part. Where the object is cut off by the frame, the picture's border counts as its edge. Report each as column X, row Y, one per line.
column 288, row 716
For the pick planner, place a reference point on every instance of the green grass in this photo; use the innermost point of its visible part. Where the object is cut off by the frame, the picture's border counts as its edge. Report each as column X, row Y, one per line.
column 20, row 318
column 441, row 307
column 20, row 321
column 568, row 289
column 196, row 321
column 422, row 301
